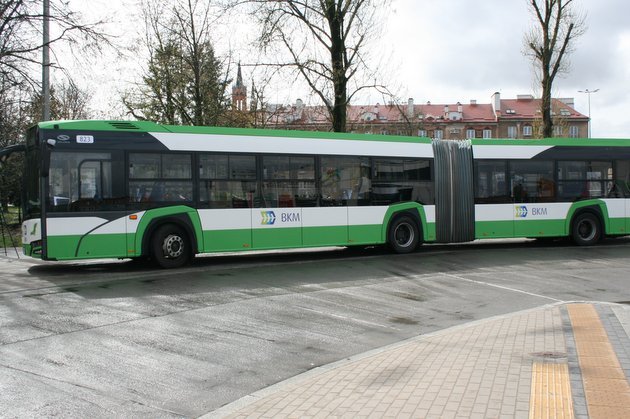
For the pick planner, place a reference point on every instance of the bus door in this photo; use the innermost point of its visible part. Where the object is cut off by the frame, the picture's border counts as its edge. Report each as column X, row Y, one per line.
column 494, row 207
column 82, row 218
column 96, row 195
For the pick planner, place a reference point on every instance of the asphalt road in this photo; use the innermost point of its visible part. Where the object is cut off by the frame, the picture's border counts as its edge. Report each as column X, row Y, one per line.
column 103, row 339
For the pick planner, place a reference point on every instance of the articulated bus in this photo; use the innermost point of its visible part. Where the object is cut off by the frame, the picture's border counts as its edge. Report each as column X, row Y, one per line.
column 112, row 189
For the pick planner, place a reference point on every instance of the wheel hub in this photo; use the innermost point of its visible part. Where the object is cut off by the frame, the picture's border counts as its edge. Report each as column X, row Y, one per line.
column 403, row 235
column 586, row 230
column 173, row 246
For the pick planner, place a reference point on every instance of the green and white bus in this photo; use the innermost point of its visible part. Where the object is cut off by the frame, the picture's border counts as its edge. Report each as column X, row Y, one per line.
column 112, row 189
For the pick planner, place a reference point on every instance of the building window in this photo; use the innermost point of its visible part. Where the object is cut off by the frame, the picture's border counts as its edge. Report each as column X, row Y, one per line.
column 470, row 133
column 511, row 131
column 487, row 133
column 558, row 130
column 527, row 131
column 439, row 134
column 574, row 131
column 422, row 133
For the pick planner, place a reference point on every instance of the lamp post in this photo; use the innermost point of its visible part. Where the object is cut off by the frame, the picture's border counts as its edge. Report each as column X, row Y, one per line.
column 46, row 63
column 588, row 93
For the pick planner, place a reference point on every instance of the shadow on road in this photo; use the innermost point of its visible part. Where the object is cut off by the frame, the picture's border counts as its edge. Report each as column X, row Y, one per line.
column 274, row 272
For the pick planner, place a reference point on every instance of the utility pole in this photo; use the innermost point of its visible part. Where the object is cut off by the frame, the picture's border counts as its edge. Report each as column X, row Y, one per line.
column 46, row 63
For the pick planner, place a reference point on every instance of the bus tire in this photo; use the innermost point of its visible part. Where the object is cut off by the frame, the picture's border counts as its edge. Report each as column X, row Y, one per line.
column 170, row 246
column 403, row 235
column 586, row 229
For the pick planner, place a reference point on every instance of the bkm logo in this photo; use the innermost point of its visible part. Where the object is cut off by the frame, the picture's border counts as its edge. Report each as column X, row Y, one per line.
column 520, row 211
column 268, row 218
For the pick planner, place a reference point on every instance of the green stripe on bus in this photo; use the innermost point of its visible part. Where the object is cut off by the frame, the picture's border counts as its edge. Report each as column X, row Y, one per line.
column 91, row 246
column 494, row 229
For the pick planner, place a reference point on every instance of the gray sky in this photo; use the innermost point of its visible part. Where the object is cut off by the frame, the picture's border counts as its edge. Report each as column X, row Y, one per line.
column 460, row 50
column 441, row 51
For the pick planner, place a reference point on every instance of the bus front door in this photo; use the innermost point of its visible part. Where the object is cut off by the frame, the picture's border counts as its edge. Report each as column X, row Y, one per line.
column 109, row 238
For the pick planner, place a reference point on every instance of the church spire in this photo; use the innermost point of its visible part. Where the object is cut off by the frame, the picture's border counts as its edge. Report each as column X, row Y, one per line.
column 239, row 77
column 239, row 92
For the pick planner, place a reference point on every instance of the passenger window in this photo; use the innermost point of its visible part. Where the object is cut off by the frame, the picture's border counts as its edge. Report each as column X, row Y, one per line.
column 157, row 178
column 584, row 179
column 532, row 181
column 490, row 182
column 289, row 181
column 399, row 180
column 228, row 181
column 621, row 187
column 345, row 181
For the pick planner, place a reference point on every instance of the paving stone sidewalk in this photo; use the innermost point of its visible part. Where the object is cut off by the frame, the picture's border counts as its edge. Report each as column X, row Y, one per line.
column 484, row 369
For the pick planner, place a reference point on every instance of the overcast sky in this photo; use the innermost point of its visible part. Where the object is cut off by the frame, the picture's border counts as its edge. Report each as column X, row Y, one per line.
column 458, row 50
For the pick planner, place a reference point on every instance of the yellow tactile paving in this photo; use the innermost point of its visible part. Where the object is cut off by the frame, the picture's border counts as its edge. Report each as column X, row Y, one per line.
column 551, row 391
column 605, row 385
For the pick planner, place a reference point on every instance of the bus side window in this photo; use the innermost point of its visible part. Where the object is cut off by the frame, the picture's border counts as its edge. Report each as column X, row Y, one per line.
column 490, row 182
column 532, row 180
column 622, row 178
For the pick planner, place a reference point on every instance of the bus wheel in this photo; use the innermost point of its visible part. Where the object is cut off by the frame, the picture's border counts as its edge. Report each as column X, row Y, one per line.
column 586, row 230
column 170, row 247
column 403, row 235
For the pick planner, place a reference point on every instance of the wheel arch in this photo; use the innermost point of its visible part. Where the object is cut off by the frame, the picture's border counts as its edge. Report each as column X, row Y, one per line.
column 182, row 219
column 415, row 211
column 597, row 209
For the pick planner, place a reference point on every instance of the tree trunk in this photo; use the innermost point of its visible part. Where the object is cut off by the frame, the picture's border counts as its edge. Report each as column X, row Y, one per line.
column 545, row 105
column 337, row 51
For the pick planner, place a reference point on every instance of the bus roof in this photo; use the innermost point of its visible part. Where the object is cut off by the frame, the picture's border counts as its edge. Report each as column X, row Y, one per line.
column 149, row 127
column 152, row 127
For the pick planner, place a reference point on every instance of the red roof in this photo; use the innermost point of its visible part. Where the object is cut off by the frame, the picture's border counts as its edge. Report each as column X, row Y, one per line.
column 521, row 108
column 530, row 108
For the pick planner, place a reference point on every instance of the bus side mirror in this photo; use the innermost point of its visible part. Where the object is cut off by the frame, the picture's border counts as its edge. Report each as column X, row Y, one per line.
column 6, row 152
column 50, row 144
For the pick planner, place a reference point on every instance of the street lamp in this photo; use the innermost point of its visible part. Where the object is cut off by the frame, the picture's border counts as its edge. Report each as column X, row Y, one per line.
column 588, row 92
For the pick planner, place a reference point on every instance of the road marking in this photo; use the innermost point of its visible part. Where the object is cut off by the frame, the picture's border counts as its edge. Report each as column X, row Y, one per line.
column 461, row 278
column 605, row 385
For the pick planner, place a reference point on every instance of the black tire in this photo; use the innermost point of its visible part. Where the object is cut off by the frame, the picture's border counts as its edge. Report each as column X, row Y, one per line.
column 586, row 229
column 403, row 235
column 170, row 246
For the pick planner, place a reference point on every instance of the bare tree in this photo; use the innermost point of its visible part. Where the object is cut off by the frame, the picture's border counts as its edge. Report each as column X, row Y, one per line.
column 326, row 42
column 21, row 41
column 557, row 25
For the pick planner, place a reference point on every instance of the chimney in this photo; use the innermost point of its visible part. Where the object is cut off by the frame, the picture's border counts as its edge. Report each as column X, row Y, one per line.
column 410, row 111
column 473, row 101
column 496, row 102
column 460, row 108
column 446, row 109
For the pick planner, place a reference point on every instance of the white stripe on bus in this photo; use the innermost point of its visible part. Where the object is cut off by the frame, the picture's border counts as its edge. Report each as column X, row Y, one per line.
column 290, row 145
column 508, row 151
